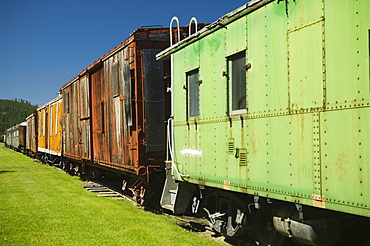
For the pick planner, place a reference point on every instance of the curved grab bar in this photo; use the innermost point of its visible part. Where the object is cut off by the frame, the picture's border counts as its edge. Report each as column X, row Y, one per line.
column 196, row 24
column 178, row 28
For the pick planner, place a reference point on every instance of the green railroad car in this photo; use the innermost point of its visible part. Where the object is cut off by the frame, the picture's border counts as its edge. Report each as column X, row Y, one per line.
column 271, row 121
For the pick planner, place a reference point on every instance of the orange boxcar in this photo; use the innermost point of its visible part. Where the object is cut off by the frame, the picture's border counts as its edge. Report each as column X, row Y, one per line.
column 49, row 130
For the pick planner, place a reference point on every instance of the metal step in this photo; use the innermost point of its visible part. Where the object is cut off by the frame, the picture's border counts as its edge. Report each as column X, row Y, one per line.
column 176, row 195
column 168, row 207
column 102, row 191
column 108, row 194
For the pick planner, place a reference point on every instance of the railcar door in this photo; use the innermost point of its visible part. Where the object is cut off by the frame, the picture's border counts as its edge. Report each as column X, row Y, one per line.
column 84, row 118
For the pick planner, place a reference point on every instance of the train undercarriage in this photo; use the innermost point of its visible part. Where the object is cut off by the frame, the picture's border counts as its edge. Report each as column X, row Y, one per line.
column 145, row 193
column 260, row 220
column 264, row 221
column 276, row 223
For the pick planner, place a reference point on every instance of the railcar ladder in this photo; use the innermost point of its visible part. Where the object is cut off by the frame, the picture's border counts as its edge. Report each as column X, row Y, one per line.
column 169, row 190
column 176, row 196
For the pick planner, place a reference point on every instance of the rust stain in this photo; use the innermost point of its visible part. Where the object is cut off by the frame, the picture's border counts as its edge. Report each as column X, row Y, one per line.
column 104, row 116
column 227, row 185
column 318, row 201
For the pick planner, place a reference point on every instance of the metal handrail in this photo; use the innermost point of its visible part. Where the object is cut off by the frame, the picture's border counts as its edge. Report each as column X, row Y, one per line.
column 178, row 28
column 196, row 24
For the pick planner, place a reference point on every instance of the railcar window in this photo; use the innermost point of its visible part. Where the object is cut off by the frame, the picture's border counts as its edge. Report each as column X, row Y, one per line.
column 45, row 123
column 84, row 97
column 129, row 103
column 51, row 121
column 193, row 93
column 237, row 80
column 102, row 116
column 66, row 102
column 56, row 119
column 115, row 79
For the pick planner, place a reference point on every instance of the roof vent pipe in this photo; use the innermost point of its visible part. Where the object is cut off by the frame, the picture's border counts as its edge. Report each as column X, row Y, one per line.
column 178, row 29
column 196, row 24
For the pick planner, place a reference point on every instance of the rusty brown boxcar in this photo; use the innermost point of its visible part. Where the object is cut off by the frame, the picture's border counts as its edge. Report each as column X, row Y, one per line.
column 22, row 136
column 128, row 104
column 31, row 135
column 115, row 110
column 76, row 118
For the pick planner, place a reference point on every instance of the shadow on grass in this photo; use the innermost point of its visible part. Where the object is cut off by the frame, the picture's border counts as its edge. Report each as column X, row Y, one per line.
column 6, row 171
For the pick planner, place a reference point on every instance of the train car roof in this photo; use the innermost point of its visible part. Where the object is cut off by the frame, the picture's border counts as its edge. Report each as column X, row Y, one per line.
column 50, row 102
column 15, row 127
column 138, row 34
column 221, row 22
column 30, row 116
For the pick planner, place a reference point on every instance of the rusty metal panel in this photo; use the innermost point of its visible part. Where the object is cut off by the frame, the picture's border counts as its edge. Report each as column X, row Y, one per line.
column 31, row 136
column 111, row 108
column 99, row 144
column 70, row 120
column 115, row 112
column 154, row 101
column 345, row 157
column 84, row 118
column 126, row 75
column 112, row 91
column 306, row 75
column 22, row 135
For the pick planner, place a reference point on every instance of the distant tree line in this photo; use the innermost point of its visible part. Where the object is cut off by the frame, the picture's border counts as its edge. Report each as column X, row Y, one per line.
column 13, row 112
column 23, row 101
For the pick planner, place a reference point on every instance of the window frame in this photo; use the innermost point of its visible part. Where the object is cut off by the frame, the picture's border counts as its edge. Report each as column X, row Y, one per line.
column 45, row 122
column 230, row 59
column 115, row 79
column 193, row 103
column 66, row 101
column 56, row 118
column 51, row 121
column 102, row 113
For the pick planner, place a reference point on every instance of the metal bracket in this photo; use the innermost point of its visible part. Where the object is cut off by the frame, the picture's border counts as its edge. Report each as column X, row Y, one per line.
column 256, row 204
column 213, row 217
column 195, row 205
column 299, row 208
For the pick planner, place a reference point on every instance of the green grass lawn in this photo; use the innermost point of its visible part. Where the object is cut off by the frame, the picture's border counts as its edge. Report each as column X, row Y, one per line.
column 40, row 205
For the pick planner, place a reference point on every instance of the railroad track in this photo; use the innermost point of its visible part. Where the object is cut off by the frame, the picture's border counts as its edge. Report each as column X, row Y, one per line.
column 197, row 225
column 105, row 191
column 190, row 223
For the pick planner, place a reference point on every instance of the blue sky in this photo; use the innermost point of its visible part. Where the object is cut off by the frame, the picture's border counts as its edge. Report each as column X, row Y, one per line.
column 46, row 43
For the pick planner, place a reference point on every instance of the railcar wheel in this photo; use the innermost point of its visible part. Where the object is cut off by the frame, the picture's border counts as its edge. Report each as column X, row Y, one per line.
column 226, row 214
column 124, row 185
column 267, row 236
column 262, row 230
